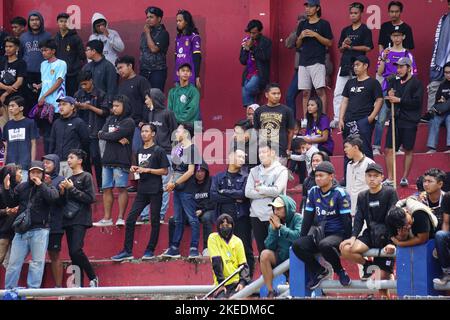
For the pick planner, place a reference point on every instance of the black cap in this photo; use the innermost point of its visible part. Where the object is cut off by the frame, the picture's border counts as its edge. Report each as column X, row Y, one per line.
column 325, row 166
column 155, row 10
column 361, row 58
column 399, row 29
column 64, row 15
column 374, row 167
column 36, row 165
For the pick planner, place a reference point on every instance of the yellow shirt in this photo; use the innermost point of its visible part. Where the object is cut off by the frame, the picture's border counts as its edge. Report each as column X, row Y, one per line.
column 232, row 254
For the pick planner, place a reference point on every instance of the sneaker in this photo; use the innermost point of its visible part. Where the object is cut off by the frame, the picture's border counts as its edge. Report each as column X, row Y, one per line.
column 318, row 278
column 404, row 182
column 172, row 252
column 123, row 255
column 426, row 117
column 120, row 222
column 140, row 221
column 132, row 189
column 376, row 152
column 148, row 255
column 193, row 253
column 344, row 279
column 334, row 124
column 366, row 275
column 273, row 294
column 400, row 153
column 448, row 151
column 205, row 252
column 290, row 176
column 103, row 223
column 388, row 183
column 431, row 151
column 304, row 123
column 93, row 283
column 442, row 281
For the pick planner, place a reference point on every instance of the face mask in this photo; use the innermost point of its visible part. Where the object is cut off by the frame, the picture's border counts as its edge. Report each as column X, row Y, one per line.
column 225, row 232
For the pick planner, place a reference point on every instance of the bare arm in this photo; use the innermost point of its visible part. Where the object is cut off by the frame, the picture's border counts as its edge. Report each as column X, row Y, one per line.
column 150, row 43
column 55, row 87
column 446, row 222
column 33, row 150
column 376, row 109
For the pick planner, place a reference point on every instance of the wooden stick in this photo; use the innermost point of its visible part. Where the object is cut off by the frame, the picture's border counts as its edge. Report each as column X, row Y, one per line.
column 394, row 152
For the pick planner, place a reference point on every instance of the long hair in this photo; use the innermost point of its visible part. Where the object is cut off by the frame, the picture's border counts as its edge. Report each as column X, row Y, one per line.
column 310, row 117
column 190, row 27
column 10, row 169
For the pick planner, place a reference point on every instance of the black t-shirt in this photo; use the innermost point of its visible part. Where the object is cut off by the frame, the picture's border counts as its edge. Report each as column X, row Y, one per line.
column 445, row 205
column 408, row 111
column 421, row 224
column 181, row 159
column 135, row 89
column 380, row 203
column 274, row 123
column 17, row 69
column 361, row 98
column 154, row 158
column 443, row 91
column 359, row 37
column 385, row 35
column 312, row 51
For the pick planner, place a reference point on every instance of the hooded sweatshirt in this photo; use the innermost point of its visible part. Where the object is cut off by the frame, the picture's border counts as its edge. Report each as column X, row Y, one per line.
column 272, row 183
column 30, row 44
column 162, row 118
column 185, row 103
column 116, row 128
column 202, row 193
column 280, row 240
column 70, row 48
column 113, row 44
column 41, row 197
column 56, row 216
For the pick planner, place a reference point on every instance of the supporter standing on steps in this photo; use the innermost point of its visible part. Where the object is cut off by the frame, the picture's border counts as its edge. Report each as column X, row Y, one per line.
column 152, row 163
column 79, row 189
column 113, row 44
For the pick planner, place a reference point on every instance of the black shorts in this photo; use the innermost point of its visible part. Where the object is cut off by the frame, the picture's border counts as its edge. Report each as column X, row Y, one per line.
column 385, row 264
column 54, row 242
column 405, row 137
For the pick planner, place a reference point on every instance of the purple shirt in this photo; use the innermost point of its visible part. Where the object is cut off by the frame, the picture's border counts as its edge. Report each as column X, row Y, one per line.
column 186, row 46
column 251, row 62
column 318, row 129
column 391, row 69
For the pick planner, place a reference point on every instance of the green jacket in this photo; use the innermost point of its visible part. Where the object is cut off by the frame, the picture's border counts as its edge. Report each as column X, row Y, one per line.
column 281, row 240
column 185, row 103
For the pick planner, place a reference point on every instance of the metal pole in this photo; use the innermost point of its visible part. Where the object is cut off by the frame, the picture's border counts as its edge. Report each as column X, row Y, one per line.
column 257, row 284
column 368, row 285
column 111, row 291
column 394, row 154
column 223, row 282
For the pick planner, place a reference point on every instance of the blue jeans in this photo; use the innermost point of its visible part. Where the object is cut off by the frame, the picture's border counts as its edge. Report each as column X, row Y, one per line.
column 433, row 132
column 292, row 94
column 185, row 203
column 442, row 241
column 250, row 91
column 379, row 125
column 36, row 242
column 157, row 78
column 137, row 140
column 166, row 195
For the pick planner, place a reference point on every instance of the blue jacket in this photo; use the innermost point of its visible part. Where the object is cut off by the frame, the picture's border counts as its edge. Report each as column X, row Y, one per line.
column 225, row 192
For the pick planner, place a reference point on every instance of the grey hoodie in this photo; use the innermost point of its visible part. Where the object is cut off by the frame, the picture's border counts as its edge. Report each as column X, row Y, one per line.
column 113, row 44
column 30, row 44
column 163, row 118
column 273, row 182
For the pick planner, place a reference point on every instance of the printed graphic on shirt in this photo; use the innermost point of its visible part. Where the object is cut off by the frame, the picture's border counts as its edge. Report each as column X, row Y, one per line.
column 16, row 134
column 143, row 158
column 271, row 124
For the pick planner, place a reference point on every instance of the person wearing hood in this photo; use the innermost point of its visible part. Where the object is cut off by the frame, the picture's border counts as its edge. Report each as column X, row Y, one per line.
column 103, row 71
column 152, row 164
column 32, row 55
column 116, row 160
column 205, row 207
column 68, row 132
column 70, row 48
column 284, row 229
column 227, row 255
column 228, row 193
column 7, row 215
column 93, row 109
column 51, row 167
column 154, row 45
column 36, row 196
column 265, row 182
column 164, row 120
column 328, row 205
column 111, row 38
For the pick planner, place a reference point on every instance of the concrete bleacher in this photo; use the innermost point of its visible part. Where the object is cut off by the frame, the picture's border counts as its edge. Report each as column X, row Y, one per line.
column 102, row 243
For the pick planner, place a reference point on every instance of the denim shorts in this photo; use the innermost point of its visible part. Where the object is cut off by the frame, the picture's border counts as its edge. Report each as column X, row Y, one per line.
column 114, row 177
